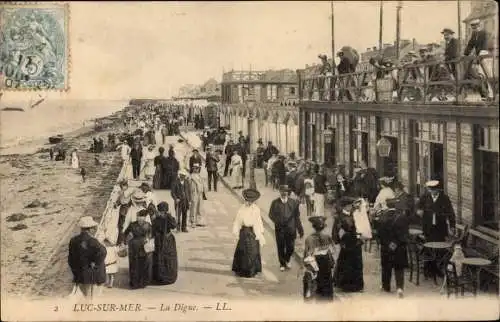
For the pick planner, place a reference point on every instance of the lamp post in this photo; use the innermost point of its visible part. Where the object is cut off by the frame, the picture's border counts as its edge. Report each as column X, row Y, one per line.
column 251, row 135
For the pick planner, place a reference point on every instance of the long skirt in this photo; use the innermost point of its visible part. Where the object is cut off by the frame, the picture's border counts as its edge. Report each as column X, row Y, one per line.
column 149, row 168
column 165, row 260
column 157, row 178
column 349, row 270
column 139, row 264
column 319, row 204
column 236, row 176
column 246, row 261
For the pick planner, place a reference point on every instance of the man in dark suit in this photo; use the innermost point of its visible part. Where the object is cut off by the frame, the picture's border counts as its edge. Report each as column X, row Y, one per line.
column 393, row 231
column 438, row 219
column 211, row 165
column 194, row 159
column 478, row 45
column 451, row 49
column 86, row 258
column 284, row 212
column 181, row 193
column 478, row 40
column 228, row 151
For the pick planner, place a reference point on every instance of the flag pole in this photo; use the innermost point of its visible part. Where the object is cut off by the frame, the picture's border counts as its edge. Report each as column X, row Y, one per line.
column 381, row 23
column 459, row 30
column 333, row 37
column 398, row 29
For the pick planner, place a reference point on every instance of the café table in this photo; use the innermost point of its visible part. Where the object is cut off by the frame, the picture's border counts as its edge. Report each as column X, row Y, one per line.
column 438, row 255
column 476, row 264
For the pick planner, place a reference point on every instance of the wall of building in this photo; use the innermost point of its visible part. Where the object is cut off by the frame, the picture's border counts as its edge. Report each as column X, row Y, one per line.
column 456, row 139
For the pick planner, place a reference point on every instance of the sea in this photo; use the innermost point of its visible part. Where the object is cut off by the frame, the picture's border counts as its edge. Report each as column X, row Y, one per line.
column 51, row 117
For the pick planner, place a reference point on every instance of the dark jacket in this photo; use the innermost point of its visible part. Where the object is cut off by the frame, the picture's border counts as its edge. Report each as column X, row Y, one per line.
column 451, row 50
column 269, row 151
column 181, row 192
column 136, row 153
column 84, row 251
column 286, row 216
column 192, row 160
column 394, row 228
column 320, row 184
column 444, row 211
column 478, row 41
column 211, row 161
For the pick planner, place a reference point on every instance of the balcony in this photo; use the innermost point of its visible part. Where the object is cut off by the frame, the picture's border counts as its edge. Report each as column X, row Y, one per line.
column 465, row 81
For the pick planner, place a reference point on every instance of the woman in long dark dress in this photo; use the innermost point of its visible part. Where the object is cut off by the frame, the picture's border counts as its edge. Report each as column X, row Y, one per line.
column 318, row 260
column 170, row 168
column 139, row 259
column 349, row 268
column 248, row 226
column 165, row 254
column 158, row 163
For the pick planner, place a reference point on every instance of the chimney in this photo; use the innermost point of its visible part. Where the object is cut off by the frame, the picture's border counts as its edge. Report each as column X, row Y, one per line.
column 368, row 49
column 387, row 45
column 414, row 43
column 374, row 48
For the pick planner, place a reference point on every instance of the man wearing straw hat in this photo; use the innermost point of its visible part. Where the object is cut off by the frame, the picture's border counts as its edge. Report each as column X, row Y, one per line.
column 285, row 214
column 86, row 258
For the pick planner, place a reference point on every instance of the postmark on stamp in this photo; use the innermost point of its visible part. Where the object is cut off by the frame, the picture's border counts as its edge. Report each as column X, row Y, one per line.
column 34, row 53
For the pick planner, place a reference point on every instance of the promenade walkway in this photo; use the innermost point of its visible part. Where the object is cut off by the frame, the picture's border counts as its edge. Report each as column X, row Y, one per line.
column 371, row 260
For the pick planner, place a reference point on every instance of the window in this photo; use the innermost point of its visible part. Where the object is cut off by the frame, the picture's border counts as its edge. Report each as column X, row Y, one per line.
column 390, row 127
column 360, row 124
column 431, row 131
column 487, row 185
column 292, row 90
column 272, row 92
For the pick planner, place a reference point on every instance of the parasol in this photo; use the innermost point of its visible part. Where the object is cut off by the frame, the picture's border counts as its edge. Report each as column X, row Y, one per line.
column 351, row 54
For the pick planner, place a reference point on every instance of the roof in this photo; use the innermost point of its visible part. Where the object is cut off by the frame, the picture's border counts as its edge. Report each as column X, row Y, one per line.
column 481, row 9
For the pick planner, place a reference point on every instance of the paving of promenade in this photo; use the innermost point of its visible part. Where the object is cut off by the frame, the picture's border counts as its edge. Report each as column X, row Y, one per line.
column 371, row 260
column 205, row 254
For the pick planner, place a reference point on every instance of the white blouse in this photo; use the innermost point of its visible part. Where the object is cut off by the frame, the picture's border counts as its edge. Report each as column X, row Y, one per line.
column 384, row 194
column 249, row 216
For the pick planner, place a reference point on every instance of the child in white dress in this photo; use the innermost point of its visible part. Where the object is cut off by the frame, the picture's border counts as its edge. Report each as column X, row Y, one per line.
column 111, row 262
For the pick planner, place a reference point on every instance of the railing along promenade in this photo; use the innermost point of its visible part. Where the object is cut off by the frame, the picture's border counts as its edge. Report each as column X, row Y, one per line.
column 467, row 80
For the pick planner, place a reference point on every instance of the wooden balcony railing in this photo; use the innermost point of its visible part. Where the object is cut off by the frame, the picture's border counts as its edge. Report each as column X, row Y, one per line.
column 465, row 80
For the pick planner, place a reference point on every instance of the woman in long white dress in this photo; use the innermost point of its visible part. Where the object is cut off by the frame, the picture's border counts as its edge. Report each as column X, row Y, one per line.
column 236, row 167
column 250, row 231
column 75, row 162
column 149, row 167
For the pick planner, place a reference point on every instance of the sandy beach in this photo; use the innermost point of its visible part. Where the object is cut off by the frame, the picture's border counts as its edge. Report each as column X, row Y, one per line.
column 41, row 201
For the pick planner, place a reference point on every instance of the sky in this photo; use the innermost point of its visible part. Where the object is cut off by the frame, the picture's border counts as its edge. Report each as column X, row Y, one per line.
column 151, row 49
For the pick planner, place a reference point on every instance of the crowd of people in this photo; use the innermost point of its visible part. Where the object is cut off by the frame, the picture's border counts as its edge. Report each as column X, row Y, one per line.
column 364, row 207
column 438, row 66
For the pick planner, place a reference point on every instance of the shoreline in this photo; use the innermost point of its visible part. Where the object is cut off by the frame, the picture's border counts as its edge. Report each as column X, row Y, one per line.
column 35, row 238
column 33, row 145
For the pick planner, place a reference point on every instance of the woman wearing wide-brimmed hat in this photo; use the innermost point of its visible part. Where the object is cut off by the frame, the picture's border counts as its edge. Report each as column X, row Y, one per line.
column 140, row 202
column 248, row 226
column 149, row 167
column 139, row 256
column 349, row 268
column 165, row 261
column 318, row 262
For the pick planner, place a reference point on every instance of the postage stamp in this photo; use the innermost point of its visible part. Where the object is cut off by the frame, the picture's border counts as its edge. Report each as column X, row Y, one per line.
column 34, row 51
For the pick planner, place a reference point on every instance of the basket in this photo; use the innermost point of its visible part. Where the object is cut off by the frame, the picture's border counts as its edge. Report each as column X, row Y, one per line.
column 122, row 251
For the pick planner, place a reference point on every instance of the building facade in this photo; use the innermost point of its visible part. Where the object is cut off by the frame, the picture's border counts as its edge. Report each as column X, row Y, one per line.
column 455, row 143
column 267, row 102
